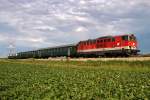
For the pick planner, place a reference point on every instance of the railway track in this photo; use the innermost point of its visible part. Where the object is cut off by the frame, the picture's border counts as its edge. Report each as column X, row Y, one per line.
column 101, row 59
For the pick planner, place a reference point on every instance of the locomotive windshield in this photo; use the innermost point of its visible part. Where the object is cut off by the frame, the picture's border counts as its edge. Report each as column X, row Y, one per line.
column 132, row 38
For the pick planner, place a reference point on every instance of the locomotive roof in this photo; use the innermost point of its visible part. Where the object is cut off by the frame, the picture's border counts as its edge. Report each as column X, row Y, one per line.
column 105, row 37
column 109, row 36
column 97, row 38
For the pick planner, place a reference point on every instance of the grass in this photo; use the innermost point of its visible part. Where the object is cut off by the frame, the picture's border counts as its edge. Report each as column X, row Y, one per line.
column 35, row 79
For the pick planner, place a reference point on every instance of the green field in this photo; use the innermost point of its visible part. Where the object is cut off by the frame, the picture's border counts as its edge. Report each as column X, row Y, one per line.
column 76, row 80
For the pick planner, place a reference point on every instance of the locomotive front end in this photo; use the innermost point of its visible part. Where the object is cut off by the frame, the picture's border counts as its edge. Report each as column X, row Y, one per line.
column 131, row 45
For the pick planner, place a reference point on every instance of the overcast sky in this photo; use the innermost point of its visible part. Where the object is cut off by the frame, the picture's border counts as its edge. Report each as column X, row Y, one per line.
column 32, row 24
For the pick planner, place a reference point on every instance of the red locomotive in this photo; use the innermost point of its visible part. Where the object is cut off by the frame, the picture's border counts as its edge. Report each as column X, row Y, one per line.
column 123, row 45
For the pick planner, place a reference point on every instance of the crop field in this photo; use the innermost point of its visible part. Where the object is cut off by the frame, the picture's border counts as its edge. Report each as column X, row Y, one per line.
column 74, row 80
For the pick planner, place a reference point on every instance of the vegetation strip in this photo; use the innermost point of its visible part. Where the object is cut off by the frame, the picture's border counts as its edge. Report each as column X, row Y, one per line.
column 33, row 79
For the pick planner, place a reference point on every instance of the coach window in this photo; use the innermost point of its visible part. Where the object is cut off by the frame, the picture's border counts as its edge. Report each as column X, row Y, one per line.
column 108, row 40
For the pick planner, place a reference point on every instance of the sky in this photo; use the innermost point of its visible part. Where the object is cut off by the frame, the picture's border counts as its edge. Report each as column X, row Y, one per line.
column 32, row 24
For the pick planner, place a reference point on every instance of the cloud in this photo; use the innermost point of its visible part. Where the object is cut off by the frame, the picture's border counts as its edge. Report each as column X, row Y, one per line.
column 44, row 28
column 80, row 29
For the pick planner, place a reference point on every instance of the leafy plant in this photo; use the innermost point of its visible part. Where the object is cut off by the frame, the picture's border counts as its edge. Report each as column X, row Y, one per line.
column 34, row 79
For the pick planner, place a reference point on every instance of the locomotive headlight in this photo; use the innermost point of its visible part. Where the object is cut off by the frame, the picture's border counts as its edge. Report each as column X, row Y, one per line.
column 118, row 44
column 133, row 44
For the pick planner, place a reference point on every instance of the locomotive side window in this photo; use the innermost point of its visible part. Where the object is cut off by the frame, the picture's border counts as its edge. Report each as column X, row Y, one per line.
column 97, row 41
column 88, row 43
column 125, row 38
column 108, row 40
column 113, row 39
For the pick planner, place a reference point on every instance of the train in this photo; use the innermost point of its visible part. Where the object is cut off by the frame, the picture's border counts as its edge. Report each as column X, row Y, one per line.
column 106, row 46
